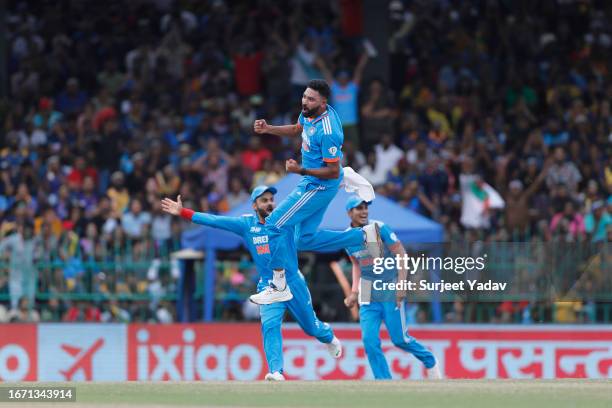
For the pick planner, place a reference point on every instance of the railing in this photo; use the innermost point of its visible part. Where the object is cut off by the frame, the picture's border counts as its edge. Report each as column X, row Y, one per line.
column 548, row 281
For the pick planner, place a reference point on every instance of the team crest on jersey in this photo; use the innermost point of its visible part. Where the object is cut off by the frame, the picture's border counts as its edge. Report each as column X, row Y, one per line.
column 333, row 150
column 311, row 131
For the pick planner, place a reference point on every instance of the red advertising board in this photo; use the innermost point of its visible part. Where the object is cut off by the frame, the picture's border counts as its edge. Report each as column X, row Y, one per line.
column 234, row 352
column 200, row 352
column 18, row 355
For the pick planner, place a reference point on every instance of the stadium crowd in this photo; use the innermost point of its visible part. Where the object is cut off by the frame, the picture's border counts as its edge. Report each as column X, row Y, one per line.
column 114, row 105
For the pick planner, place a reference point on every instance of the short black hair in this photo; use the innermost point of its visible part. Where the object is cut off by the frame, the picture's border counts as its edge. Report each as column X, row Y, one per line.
column 320, row 86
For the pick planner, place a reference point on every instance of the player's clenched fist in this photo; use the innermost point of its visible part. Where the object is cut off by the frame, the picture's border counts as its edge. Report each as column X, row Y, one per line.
column 351, row 300
column 292, row 166
column 260, row 126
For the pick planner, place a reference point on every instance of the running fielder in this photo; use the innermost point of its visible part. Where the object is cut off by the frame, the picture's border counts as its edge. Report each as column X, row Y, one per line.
column 379, row 306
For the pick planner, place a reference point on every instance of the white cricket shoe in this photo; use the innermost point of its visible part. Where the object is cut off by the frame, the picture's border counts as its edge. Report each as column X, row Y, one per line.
column 335, row 348
column 433, row 373
column 374, row 241
column 271, row 295
column 275, row 376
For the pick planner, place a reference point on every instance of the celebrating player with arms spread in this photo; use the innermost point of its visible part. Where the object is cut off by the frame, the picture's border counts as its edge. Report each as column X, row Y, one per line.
column 256, row 241
column 303, row 210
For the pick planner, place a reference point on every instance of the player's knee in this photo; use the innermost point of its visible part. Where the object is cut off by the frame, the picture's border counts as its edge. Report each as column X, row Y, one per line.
column 270, row 325
column 399, row 341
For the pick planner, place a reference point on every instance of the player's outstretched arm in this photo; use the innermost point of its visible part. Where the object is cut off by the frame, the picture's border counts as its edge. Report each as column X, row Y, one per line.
column 261, row 126
column 232, row 224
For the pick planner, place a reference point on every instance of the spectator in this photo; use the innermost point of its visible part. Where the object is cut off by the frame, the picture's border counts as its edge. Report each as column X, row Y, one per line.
column 237, row 194
column 373, row 171
column 597, row 221
column 568, row 225
column 118, row 194
column 72, row 100
column 24, row 313
column 563, row 172
column 255, row 155
column 247, row 68
column 80, row 311
column 387, row 153
column 345, row 97
column 52, row 311
column 23, row 251
column 136, row 221
column 377, row 113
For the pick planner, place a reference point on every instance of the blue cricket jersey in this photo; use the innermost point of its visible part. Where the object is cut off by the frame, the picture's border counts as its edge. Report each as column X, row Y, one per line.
column 366, row 262
column 255, row 238
column 322, row 139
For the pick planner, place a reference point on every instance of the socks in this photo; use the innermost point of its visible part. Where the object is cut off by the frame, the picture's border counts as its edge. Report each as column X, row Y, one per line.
column 279, row 279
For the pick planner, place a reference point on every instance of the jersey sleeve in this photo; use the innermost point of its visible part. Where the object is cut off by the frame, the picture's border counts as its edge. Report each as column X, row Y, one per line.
column 331, row 145
column 388, row 236
column 233, row 224
column 301, row 119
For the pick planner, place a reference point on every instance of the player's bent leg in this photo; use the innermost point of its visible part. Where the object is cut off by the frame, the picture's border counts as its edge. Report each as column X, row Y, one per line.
column 271, row 322
column 310, row 238
column 280, row 228
column 282, row 220
column 301, row 309
column 395, row 323
column 329, row 241
column 370, row 317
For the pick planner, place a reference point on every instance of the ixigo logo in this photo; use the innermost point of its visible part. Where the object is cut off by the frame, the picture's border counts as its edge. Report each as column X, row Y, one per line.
column 191, row 361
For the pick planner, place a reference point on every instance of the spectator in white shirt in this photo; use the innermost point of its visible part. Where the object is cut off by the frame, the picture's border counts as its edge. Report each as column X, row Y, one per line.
column 387, row 153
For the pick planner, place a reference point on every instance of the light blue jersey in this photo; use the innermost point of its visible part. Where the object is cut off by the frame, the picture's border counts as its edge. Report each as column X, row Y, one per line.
column 300, row 306
column 382, row 307
column 366, row 262
column 322, row 140
column 345, row 100
column 255, row 239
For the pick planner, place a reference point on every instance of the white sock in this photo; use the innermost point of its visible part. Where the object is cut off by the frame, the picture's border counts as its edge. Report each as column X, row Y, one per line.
column 279, row 279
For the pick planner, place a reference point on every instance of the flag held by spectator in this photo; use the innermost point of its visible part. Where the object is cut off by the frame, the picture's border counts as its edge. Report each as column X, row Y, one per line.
column 478, row 198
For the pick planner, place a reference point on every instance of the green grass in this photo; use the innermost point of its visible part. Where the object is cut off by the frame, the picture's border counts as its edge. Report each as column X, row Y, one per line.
column 354, row 394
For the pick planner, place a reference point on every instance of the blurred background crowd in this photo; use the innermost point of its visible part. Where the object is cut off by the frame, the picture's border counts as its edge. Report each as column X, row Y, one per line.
column 113, row 105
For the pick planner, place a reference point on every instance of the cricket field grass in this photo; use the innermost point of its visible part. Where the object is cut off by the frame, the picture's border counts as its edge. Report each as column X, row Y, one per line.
column 354, row 394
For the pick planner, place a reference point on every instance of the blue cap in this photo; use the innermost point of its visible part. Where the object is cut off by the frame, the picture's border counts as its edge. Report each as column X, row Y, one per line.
column 259, row 190
column 353, row 202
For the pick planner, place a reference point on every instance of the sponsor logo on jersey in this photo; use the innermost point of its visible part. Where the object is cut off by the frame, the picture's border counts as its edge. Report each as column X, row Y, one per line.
column 305, row 141
column 263, row 239
column 255, row 229
column 333, row 150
